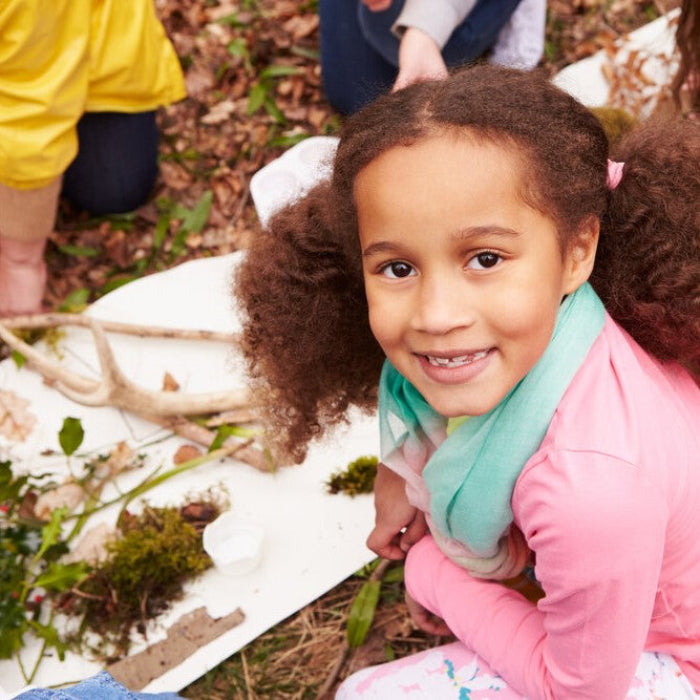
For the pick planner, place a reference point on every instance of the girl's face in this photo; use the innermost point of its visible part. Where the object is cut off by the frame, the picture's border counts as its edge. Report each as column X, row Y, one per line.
column 463, row 279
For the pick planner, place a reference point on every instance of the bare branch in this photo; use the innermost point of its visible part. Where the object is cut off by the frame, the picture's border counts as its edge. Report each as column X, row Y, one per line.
column 53, row 320
column 244, row 451
column 114, row 389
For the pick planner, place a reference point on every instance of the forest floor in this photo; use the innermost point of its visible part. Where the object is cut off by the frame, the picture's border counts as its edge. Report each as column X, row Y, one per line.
column 254, row 89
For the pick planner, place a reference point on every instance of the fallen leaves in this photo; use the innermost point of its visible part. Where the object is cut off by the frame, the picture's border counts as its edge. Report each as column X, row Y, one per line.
column 16, row 421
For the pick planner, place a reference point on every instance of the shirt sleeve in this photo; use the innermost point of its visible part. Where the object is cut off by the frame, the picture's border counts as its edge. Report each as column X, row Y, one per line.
column 437, row 18
column 596, row 528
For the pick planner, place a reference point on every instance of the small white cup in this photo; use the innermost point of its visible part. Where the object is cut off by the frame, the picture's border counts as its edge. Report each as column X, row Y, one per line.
column 234, row 545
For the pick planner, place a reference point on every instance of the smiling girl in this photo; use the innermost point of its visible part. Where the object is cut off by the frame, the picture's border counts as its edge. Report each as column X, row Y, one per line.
column 451, row 253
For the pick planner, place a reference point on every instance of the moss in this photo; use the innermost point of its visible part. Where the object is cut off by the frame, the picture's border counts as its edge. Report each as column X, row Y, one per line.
column 146, row 567
column 357, row 477
column 616, row 122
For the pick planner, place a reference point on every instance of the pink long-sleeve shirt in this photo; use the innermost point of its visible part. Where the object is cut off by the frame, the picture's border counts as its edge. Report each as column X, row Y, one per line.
column 610, row 507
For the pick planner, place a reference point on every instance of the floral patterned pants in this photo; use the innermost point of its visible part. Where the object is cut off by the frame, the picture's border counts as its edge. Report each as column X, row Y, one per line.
column 454, row 672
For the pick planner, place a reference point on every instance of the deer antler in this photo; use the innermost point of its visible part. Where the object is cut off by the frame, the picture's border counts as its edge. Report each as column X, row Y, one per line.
column 114, row 389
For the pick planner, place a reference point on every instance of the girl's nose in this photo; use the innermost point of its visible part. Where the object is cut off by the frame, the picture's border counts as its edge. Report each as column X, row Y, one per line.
column 442, row 304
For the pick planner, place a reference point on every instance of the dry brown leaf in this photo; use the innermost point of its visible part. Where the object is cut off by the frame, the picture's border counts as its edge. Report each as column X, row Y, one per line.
column 117, row 248
column 68, row 495
column 16, row 422
column 186, row 452
column 169, row 382
column 301, row 26
column 219, row 113
column 199, row 80
column 175, row 176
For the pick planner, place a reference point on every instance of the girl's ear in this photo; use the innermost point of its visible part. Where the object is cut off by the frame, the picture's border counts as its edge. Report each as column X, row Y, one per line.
column 580, row 256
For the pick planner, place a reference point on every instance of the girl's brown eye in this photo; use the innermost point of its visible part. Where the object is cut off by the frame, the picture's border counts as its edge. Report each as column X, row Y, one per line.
column 487, row 259
column 398, row 270
column 483, row 261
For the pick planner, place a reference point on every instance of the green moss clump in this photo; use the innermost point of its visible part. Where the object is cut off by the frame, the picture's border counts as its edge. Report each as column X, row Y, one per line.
column 357, row 477
column 144, row 571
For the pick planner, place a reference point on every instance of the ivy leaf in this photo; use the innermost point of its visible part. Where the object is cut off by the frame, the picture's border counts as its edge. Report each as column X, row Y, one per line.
column 12, row 625
column 71, row 435
column 51, row 532
column 362, row 612
column 61, row 577
column 10, row 488
column 50, row 635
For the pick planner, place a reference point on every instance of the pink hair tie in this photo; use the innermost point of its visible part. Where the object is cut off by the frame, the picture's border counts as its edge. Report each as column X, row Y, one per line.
column 614, row 173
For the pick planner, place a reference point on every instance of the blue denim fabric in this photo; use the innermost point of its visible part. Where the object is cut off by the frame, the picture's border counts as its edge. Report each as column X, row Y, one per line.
column 117, row 162
column 359, row 53
column 100, row 687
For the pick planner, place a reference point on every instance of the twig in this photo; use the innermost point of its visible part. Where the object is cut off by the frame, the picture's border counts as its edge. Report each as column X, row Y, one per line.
column 246, row 677
column 52, row 320
column 323, row 693
column 242, row 451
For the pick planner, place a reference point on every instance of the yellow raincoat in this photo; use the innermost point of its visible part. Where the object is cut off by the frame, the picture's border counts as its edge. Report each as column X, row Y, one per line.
column 61, row 58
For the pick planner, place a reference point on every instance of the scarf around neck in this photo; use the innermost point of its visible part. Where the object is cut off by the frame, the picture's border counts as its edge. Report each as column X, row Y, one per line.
column 470, row 474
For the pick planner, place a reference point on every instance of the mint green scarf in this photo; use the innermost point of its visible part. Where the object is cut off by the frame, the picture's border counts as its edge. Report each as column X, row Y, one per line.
column 471, row 474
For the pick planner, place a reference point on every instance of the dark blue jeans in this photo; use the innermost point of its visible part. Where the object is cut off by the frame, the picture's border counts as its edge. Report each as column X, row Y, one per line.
column 359, row 53
column 117, row 162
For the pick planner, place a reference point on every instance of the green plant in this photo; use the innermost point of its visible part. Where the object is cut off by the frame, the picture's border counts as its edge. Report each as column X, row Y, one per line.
column 30, row 568
column 358, row 477
column 35, row 580
column 192, row 220
column 380, row 573
column 261, row 95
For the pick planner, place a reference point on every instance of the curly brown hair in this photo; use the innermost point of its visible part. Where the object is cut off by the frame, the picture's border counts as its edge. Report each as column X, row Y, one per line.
column 647, row 269
column 688, row 42
column 306, row 333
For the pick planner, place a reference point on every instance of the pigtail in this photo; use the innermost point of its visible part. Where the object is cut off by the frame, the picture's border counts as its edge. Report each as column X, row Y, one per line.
column 306, row 336
column 647, row 269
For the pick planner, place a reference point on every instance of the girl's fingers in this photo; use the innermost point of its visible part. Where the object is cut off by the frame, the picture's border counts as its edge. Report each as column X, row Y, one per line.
column 425, row 620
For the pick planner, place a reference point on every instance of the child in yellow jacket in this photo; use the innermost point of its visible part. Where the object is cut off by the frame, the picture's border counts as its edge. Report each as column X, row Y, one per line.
column 80, row 81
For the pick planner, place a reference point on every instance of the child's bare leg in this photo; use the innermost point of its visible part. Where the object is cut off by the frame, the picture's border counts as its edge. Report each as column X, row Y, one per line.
column 26, row 220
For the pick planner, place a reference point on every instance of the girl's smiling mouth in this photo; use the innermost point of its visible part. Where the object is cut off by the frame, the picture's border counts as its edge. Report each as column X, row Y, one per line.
column 452, row 369
column 457, row 360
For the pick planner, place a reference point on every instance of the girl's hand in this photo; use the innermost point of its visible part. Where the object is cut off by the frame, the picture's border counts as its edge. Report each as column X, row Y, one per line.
column 425, row 620
column 398, row 525
column 377, row 5
column 420, row 58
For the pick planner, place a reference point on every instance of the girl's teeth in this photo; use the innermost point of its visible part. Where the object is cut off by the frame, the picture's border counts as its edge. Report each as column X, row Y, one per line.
column 456, row 361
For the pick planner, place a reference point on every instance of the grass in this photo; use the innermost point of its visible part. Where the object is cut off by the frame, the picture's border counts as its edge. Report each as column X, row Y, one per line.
column 306, row 656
